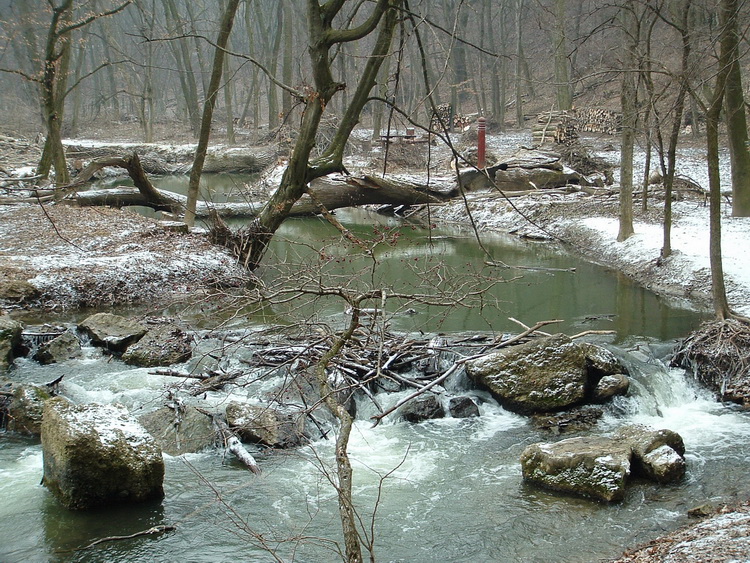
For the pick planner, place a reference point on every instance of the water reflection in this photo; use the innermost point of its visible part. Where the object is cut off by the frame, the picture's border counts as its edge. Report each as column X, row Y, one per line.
column 544, row 282
column 66, row 532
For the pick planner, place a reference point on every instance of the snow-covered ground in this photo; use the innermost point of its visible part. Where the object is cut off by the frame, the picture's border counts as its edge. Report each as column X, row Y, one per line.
column 690, row 246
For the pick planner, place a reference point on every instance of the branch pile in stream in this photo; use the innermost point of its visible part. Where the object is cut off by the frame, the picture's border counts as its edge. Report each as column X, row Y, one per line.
column 718, row 355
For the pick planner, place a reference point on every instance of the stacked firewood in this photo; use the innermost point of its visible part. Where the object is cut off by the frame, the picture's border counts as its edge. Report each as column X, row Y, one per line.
column 562, row 127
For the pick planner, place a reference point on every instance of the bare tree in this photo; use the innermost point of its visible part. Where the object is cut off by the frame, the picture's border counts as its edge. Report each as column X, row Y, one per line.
column 713, row 112
column 227, row 21
column 735, row 113
column 324, row 36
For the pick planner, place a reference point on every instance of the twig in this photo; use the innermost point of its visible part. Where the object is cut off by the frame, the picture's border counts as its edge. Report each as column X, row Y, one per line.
column 161, row 529
column 587, row 332
column 59, row 234
column 528, row 330
column 175, row 373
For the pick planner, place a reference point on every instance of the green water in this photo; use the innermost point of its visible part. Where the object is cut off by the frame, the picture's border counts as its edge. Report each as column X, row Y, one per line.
column 544, row 281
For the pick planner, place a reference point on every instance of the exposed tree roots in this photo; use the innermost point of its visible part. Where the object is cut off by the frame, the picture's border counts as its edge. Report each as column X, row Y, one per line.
column 718, row 355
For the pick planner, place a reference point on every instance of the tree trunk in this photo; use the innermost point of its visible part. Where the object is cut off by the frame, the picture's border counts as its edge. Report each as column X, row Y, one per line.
column 331, row 192
column 343, row 465
column 735, row 116
column 562, row 65
column 300, row 170
column 718, row 288
column 679, row 108
column 217, row 70
column 519, row 65
column 181, row 55
column 629, row 121
column 228, row 97
column 56, row 58
column 288, row 61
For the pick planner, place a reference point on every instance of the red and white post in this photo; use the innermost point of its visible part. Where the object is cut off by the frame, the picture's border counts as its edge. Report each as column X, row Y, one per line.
column 481, row 142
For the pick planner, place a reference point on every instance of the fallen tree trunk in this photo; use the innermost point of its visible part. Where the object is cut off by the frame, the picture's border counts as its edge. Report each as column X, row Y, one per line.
column 156, row 198
column 162, row 159
column 333, row 192
column 528, row 169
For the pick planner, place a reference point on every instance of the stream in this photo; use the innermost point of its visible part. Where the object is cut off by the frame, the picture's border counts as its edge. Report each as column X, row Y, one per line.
column 443, row 490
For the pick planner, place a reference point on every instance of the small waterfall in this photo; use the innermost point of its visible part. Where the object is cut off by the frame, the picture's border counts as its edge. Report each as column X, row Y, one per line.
column 34, row 336
column 667, row 397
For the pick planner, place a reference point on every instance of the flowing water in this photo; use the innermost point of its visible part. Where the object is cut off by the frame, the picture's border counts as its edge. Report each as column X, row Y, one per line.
column 443, row 490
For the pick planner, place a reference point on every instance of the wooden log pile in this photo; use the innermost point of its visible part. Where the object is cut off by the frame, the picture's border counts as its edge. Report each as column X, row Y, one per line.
column 562, row 127
column 554, row 127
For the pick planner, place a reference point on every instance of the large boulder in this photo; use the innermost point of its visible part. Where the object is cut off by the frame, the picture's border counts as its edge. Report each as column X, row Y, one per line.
column 424, row 407
column 546, row 374
column 10, row 340
column 98, row 455
column 59, row 349
column 594, row 467
column 181, row 430
column 599, row 467
column 265, row 425
column 163, row 345
column 113, row 332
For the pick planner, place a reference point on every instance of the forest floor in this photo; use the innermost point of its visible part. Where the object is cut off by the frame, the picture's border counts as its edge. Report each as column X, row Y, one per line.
column 94, row 257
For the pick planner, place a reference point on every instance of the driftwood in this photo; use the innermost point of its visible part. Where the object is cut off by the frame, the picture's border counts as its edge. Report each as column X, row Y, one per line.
column 155, row 198
column 154, row 531
column 526, row 170
column 234, row 446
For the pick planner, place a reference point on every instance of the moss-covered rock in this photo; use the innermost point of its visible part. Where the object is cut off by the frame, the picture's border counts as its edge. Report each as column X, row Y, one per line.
column 180, row 431
column 593, row 467
column 59, row 349
column 163, row 345
column 10, row 340
column 598, row 467
column 657, row 454
column 463, row 407
column 545, row 374
column 24, row 414
column 424, row 407
column 98, row 455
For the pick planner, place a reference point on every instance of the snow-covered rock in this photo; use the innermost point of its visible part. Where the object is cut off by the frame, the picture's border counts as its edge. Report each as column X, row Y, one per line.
column 98, row 455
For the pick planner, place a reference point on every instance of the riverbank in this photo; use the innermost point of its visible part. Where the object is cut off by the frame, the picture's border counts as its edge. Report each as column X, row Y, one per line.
column 58, row 257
